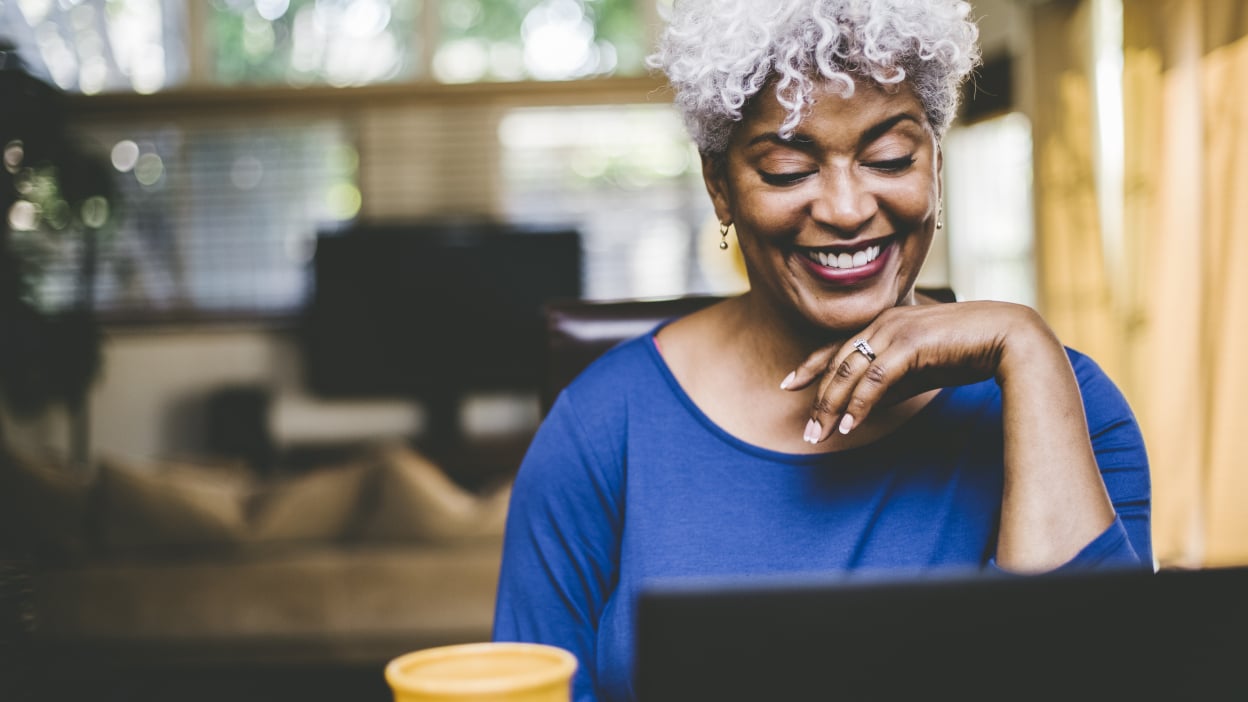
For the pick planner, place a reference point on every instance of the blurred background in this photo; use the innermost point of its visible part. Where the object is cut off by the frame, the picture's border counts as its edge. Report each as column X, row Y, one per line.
column 267, row 264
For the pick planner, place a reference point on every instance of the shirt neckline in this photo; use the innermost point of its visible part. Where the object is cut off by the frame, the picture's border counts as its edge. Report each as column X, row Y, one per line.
column 918, row 419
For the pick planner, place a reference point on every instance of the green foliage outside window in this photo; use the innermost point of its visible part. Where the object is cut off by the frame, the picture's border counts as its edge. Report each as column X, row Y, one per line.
column 96, row 46
column 543, row 39
column 343, row 42
column 338, row 42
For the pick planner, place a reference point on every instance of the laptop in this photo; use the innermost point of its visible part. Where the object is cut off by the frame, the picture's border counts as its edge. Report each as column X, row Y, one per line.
column 1109, row 634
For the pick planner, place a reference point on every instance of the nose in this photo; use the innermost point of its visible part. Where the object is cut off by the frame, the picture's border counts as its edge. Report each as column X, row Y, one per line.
column 844, row 205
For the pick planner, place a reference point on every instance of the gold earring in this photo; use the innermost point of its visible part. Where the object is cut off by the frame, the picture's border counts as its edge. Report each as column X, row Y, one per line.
column 723, row 236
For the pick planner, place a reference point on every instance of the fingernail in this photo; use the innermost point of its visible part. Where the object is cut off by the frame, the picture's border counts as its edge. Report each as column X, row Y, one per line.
column 788, row 380
column 813, row 430
column 847, row 423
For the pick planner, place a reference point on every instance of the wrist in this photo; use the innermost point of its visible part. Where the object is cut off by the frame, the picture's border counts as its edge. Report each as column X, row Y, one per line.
column 1029, row 346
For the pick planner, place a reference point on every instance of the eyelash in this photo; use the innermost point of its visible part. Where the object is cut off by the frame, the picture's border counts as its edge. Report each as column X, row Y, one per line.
column 892, row 165
column 783, row 178
column 895, row 165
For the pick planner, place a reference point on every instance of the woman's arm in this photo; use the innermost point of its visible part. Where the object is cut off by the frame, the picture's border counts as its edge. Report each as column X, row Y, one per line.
column 561, row 545
column 1055, row 502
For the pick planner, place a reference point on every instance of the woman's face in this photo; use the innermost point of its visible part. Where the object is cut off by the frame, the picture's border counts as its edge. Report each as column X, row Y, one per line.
column 835, row 222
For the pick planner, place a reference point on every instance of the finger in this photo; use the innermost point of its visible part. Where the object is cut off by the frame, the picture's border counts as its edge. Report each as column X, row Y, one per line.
column 828, row 411
column 872, row 386
column 814, row 366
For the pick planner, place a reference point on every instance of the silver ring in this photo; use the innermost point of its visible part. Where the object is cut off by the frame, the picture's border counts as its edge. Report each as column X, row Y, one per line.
column 862, row 346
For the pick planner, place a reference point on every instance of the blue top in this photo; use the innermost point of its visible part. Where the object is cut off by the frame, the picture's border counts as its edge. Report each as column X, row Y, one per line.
column 627, row 480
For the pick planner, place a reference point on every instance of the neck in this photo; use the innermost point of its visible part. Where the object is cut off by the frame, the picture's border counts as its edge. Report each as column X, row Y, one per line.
column 781, row 338
column 778, row 338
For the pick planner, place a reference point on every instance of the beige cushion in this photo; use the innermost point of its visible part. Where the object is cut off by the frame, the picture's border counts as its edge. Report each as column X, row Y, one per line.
column 416, row 501
column 322, row 505
column 172, row 506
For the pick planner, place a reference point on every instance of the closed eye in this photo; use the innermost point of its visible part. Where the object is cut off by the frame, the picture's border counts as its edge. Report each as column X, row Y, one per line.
column 892, row 165
column 783, row 178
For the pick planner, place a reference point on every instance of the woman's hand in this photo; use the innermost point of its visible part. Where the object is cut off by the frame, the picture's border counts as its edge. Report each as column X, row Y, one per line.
column 917, row 348
column 1053, row 499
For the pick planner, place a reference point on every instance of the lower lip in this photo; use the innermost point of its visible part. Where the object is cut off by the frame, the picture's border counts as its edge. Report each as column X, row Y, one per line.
column 850, row 276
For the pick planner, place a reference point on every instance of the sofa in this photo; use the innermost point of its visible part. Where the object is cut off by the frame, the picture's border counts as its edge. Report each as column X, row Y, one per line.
column 175, row 564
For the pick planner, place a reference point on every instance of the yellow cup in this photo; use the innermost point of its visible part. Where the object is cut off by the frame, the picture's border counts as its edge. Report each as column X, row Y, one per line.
column 483, row 672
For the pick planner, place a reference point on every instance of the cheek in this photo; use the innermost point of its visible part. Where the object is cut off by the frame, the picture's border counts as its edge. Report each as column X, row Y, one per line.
column 772, row 214
column 910, row 202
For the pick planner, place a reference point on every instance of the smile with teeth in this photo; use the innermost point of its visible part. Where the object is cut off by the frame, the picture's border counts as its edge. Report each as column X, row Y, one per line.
column 844, row 261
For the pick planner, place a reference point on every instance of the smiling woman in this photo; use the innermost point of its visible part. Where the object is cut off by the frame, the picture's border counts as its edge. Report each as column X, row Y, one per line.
column 849, row 200
column 830, row 419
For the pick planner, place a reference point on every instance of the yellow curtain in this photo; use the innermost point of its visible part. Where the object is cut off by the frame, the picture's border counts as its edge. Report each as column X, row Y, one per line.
column 1074, row 293
column 1185, row 70
column 1172, row 329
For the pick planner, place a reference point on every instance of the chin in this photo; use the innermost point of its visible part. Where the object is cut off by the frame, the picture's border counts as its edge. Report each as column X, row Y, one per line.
column 847, row 312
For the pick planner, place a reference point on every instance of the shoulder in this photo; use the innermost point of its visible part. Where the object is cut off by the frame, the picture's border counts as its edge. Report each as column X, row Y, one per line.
column 577, row 457
column 631, row 363
column 1084, row 366
column 596, row 402
column 1104, row 404
column 1092, row 379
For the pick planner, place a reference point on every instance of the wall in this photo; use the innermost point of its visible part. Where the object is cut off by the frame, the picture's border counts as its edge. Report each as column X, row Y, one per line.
column 151, row 395
column 151, row 399
column 148, row 400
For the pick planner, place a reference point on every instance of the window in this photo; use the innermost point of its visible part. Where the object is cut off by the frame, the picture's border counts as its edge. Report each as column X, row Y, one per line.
column 219, row 208
column 989, row 210
column 303, row 42
column 627, row 177
column 144, row 46
column 221, row 218
column 537, row 39
column 93, row 46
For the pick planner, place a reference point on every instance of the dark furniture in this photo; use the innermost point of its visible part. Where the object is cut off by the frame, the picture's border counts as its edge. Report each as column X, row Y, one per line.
column 578, row 331
column 434, row 310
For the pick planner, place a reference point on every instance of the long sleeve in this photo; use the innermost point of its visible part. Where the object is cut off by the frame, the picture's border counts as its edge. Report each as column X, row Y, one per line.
column 1123, row 462
column 1121, row 456
column 562, row 541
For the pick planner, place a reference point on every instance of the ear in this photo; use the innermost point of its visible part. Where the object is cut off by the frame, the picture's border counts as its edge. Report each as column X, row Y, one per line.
column 716, row 179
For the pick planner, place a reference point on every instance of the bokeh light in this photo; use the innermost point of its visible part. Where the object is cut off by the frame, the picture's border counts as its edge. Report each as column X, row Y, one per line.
column 35, row 11
column 461, row 61
column 149, row 169
column 124, row 155
column 95, row 211
column 272, row 10
column 23, row 216
column 246, row 172
column 56, row 214
column 558, row 41
column 461, row 14
column 14, row 152
column 343, row 201
column 258, row 36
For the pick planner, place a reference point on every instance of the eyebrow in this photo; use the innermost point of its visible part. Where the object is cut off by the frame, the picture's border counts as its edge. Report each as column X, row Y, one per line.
column 873, row 133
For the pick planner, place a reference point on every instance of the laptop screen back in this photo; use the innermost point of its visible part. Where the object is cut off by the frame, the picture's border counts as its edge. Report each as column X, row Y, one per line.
column 1172, row 635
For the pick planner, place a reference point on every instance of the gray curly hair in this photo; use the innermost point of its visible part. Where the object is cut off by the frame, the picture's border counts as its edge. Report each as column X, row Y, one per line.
column 718, row 54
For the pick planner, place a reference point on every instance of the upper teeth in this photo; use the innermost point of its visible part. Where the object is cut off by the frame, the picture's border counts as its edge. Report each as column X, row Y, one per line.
column 846, row 260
